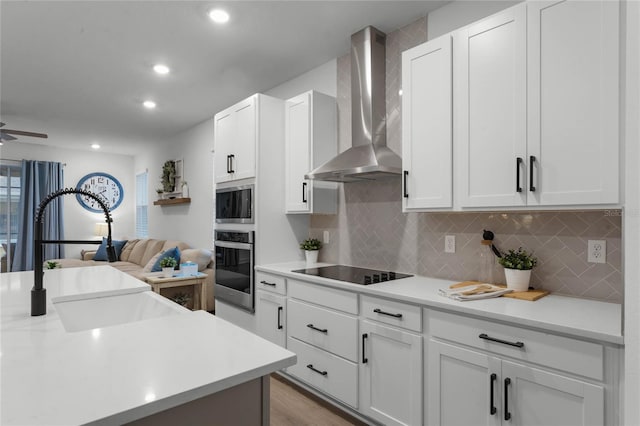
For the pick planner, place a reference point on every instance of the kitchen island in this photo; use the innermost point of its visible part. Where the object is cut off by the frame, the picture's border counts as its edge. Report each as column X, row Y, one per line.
column 160, row 365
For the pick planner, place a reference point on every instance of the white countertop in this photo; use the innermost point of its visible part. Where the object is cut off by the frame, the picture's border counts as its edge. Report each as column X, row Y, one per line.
column 116, row 374
column 589, row 319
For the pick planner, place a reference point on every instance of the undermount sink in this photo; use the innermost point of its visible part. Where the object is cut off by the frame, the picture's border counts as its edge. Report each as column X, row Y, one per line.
column 87, row 314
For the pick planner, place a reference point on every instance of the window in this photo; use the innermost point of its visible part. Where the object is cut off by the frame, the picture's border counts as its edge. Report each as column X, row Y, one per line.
column 142, row 205
column 9, row 205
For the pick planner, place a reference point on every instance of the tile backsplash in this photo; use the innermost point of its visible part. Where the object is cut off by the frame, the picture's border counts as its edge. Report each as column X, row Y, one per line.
column 370, row 229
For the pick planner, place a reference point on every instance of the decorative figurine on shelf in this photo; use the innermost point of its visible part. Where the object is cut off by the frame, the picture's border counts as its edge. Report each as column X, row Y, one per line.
column 185, row 189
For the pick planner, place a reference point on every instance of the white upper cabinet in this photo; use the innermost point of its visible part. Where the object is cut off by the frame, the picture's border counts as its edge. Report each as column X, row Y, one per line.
column 490, row 104
column 536, row 106
column 310, row 141
column 235, row 141
column 573, row 102
column 427, row 139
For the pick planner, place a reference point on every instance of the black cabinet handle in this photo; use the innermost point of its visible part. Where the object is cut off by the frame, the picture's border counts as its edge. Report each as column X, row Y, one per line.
column 504, row 342
column 406, row 173
column 518, row 162
column 279, row 319
column 507, row 414
column 267, row 283
column 304, row 192
column 364, row 358
column 231, row 158
column 321, row 330
column 310, row 367
column 492, row 405
column 381, row 312
column 228, row 165
column 532, row 159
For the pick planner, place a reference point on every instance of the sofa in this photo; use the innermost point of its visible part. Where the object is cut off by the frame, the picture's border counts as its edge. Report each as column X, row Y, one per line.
column 139, row 255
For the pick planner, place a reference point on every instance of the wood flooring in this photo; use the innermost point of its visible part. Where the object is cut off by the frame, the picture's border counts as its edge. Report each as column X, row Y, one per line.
column 294, row 406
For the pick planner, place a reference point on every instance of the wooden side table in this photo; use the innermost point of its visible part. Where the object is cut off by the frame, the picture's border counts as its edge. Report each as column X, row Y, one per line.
column 199, row 289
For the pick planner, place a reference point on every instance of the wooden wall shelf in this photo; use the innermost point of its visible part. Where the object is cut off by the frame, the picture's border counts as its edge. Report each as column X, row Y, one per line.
column 172, row 201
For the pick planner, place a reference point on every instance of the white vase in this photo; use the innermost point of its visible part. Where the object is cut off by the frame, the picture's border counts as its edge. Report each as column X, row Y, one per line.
column 167, row 272
column 185, row 191
column 517, row 279
column 311, row 256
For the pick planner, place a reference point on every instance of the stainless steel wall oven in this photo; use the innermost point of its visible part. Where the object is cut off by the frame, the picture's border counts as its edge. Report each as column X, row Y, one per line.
column 234, row 282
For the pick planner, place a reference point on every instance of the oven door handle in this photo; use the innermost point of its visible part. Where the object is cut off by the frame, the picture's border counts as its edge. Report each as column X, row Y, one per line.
column 232, row 245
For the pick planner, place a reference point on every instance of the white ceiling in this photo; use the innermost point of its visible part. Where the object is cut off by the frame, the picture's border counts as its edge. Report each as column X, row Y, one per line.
column 87, row 64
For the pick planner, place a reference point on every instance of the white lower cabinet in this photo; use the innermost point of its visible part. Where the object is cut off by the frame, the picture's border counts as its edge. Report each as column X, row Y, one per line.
column 466, row 387
column 390, row 375
column 271, row 317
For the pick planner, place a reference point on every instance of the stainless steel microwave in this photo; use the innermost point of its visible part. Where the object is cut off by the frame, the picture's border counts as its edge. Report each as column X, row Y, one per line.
column 235, row 204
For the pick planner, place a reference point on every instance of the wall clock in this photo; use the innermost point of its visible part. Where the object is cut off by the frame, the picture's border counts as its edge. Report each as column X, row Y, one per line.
column 105, row 186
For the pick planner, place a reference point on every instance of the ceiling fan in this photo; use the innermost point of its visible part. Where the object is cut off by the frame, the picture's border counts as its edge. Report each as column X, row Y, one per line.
column 6, row 134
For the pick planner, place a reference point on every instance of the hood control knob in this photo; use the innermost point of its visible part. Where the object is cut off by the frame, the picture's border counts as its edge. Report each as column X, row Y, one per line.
column 367, row 279
column 384, row 276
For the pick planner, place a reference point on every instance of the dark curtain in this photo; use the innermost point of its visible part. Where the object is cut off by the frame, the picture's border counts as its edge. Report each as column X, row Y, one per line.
column 39, row 179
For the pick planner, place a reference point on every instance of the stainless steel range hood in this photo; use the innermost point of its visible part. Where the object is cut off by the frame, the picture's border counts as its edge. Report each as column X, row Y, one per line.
column 369, row 158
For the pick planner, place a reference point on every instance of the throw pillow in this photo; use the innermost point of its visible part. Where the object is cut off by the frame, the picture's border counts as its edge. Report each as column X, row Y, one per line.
column 172, row 252
column 200, row 256
column 155, row 259
column 101, row 254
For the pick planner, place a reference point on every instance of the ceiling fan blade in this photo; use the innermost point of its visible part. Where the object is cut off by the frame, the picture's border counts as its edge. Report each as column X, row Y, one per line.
column 23, row 133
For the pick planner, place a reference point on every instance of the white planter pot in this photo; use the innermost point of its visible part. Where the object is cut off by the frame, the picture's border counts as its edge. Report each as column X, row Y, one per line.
column 311, row 256
column 167, row 272
column 517, row 279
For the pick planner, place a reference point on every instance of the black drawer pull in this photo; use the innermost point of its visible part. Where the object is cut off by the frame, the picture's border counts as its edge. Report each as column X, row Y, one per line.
column 267, row 283
column 364, row 358
column 279, row 319
column 231, row 158
column 492, row 405
column 310, row 367
column 381, row 312
column 321, row 330
column 406, row 194
column 507, row 414
column 518, row 162
column 504, row 342
column 532, row 159
column 304, row 192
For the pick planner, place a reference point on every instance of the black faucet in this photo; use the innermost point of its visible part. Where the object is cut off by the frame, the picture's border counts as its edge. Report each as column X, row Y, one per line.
column 38, row 292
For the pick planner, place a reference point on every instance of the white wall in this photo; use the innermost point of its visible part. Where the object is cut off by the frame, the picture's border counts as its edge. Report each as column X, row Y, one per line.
column 79, row 222
column 631, row 224
column 191, row 223
column 322, row 79
column 457, row 14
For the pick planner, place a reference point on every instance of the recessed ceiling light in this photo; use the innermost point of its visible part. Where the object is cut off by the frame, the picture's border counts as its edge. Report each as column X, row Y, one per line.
column 149, row 104
column 219, row 16
column 161, row 69
column 95, row 146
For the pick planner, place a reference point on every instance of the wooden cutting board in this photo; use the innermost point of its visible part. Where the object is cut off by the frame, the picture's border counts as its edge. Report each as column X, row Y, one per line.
column 530, row 295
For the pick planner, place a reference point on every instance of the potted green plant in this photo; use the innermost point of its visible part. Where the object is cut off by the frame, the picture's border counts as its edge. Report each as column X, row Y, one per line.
column 311, row 246
column 51, row 264
column 168, row 265
column 517, row 268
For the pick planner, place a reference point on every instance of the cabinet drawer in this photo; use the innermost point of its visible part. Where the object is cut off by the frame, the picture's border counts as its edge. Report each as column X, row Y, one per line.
column 393, row 313
column 324, row 296
column 326, row 329
column 549, row 350
column 271, row 283
column 334, row 376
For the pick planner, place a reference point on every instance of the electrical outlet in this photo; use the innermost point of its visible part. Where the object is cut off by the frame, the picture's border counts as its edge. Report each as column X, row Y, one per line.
column 325, row 237
column 597, row 251
column 449, row 243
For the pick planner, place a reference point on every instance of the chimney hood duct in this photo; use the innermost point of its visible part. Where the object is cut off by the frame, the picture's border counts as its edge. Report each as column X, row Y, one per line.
column 369, row 158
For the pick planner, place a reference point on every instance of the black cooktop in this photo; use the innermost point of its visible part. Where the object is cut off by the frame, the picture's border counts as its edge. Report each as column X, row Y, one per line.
column 352, row 274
